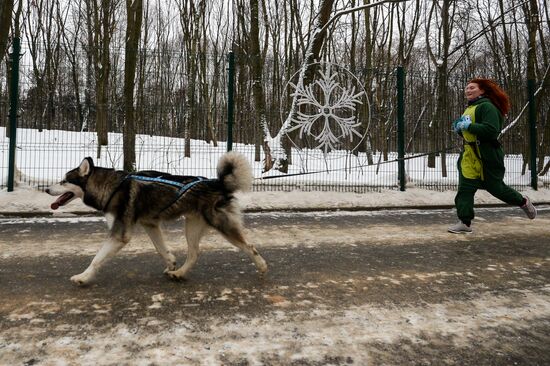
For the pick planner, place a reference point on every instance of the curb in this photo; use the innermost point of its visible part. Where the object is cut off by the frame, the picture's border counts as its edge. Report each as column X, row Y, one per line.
column 268, row 210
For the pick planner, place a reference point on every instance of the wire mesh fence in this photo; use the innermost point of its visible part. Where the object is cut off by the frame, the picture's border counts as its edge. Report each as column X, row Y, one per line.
column 181, row 125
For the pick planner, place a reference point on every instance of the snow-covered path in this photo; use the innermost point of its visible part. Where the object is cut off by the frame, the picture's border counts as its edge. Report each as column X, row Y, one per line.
column 383, row 287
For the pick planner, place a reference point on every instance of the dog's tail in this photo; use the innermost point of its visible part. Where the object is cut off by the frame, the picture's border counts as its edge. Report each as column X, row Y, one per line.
column 235, row 172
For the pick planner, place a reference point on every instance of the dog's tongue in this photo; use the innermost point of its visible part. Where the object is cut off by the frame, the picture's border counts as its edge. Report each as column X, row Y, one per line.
column 61, row 200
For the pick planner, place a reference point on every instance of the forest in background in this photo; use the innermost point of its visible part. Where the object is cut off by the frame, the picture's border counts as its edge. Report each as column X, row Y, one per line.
column 159, row 67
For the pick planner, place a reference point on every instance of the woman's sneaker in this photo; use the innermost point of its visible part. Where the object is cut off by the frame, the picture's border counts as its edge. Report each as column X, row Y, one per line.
column 459, row 228
column 529, row 209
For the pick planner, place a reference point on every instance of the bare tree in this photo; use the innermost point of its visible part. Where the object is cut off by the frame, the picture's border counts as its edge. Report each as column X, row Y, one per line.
column 6, row 9
column 408, row 26
column 191, row 16
column 544, row 109
column 442, row 12
column 101, row 29
column 531, row 13
column 43, row 28
column 219, row 45
column 134, row 14
column 180, row 85
column 16, row 31
column 256, row 65
column 276, row 157
column 70, row 43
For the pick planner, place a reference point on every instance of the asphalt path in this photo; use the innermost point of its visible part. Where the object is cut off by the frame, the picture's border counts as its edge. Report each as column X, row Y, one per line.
column 386, row 287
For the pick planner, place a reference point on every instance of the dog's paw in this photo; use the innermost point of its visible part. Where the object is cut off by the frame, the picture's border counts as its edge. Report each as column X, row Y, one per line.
column 171, row 264
column 261, row 266
column 262, row 272
column 81, row 279
column 170, row 268
column 175, row 275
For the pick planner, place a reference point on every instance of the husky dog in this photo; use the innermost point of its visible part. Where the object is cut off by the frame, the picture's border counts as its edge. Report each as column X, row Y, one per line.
column 150, row 197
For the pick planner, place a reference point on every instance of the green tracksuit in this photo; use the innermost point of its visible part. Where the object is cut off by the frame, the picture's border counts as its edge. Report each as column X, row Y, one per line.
column 481, row 164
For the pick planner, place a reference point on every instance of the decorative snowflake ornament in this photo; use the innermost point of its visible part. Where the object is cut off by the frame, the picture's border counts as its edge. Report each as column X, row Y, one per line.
column 326, row 108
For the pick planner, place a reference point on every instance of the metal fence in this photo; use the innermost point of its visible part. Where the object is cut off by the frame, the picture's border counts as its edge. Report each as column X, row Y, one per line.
column 183, row 129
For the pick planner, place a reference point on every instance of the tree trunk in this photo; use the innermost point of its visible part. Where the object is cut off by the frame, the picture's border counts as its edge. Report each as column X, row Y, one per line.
column 257, row 84
column 544, row 145
column 531, row 18
column 6, row 9
column 102, row 23
column 134, row 11
column 440, row 118
column 277, row 157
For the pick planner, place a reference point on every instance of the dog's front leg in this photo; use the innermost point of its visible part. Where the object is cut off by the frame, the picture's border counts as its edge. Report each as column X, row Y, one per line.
column 108, row 250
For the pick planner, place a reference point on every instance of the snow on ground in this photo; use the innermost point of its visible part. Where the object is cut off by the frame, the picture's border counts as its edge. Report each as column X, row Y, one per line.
column 28, row 200
column 350, row 332
column 62, row 150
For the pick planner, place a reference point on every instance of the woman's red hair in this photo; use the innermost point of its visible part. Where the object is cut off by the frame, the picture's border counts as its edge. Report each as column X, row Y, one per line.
column 495, row 94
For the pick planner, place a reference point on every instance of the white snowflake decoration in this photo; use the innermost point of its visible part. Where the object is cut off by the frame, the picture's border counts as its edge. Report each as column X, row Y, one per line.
column 332, row 99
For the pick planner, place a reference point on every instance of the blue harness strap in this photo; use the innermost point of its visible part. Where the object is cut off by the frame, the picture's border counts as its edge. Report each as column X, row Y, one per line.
column 183, row 187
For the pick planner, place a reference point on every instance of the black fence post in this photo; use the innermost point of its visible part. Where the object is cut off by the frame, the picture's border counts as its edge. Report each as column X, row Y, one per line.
column 14, row 96
column 401, row 127
column 230, row 98
column 532, row 132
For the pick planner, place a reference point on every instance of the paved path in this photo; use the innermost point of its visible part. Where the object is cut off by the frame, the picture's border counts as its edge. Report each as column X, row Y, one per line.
column 388, row 287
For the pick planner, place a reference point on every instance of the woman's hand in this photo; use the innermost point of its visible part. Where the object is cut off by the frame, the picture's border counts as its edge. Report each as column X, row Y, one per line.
column 462, row 124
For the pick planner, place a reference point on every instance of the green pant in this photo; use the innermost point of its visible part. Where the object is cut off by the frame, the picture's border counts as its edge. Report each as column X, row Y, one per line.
column 467, row 188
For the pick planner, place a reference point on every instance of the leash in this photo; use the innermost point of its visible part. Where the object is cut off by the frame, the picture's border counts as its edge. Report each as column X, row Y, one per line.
column 357, row 166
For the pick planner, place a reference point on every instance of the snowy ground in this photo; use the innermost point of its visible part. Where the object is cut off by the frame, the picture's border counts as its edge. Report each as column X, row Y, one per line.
column 360, row 288
column 26, row 200
column 404, row 291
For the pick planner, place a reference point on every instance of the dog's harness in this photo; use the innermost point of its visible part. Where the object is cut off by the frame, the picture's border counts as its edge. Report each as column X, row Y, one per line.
column 183, row 187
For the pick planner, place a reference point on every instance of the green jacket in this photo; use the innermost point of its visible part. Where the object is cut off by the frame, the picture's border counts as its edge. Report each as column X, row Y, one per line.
column 483, row 159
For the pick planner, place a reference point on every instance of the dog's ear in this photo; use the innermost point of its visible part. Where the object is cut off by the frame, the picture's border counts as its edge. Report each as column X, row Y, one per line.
column 86, row 166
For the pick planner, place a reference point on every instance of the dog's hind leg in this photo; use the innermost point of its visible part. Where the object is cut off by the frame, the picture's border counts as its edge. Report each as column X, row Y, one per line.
column 228, row 223
column 195, row 227
column 231, row 228
column 155, row 234
column 235, row 237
